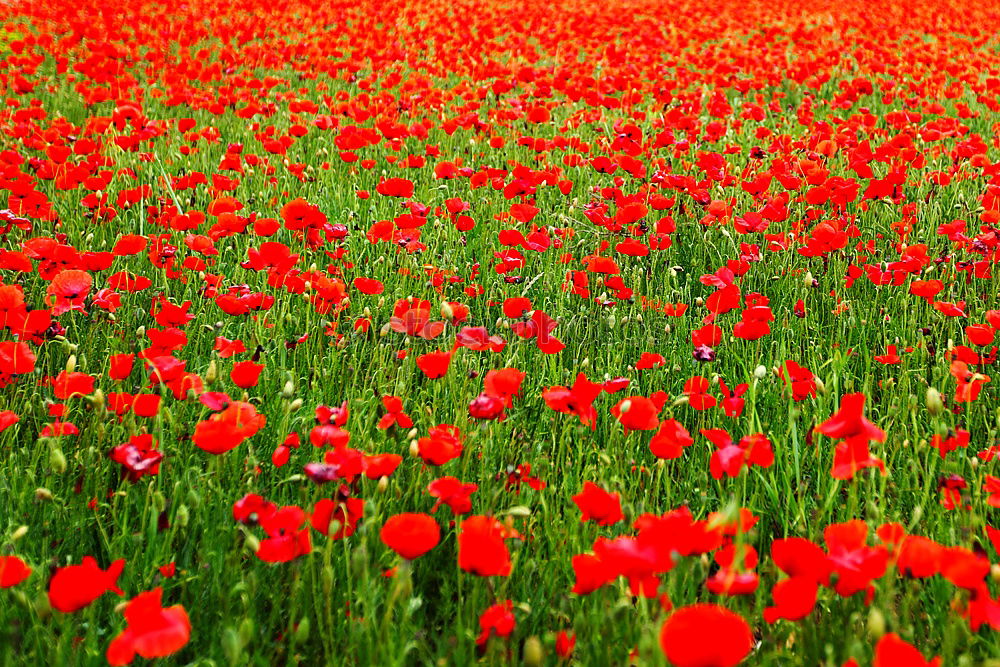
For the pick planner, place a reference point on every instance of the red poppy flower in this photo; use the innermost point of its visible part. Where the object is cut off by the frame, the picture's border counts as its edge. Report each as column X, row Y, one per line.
column 411, row 535
column 453, row 493
column 12, row 571
column 481, row 549
column 152, row 631
column 705, row 635
column 496, row 620
column 893, row 651
column 74, row 587
column 597, row 504
column 69, row 290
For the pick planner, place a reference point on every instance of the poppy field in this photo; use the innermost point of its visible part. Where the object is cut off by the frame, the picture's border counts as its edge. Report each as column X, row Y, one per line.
column 506, row 333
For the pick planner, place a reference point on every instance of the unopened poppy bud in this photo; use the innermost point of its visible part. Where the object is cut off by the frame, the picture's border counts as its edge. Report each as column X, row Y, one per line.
column 533, row 653
column 383, row 484
column 760, row 372
column 71, row 363
column 253, row 544
column 41, row 493
column 97, row 400
column 807, row 279
column 246, row 630
column 412, row 433
column 995, row 572
column 933, row 401
column 231, row 645
column 140, row 331
column 19, row 533
column 42, row 607
column 182, row 517
column 699, row 301
column 585, row 363
column 159, row 502
column 193, row 499
column 384, row 331
column 57, row 461
column 876, row 623
column 821, row 387
column 327, row 578
column 212, row 374
column 414, row 448
column 295, row 405
column 381, row 300
column 625, row 406
column 288, row 390
column 447, row 312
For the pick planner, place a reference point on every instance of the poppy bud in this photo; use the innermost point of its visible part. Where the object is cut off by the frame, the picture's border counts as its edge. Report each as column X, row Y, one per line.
column 933, row 401
column 57, row 461
column 533, row 654
column 327, row 576
column 97, row 401
column 625, row 406
column 876, row 623
column 384, row 331
column 231, row 645
column 159, row 502
column 193, row 499
column 288, row 390
column 302, row 631
column 821, row 387
column 212, row 374
column 807, row 279
column 414, row 448
column 19, row 533
column 412, row 433
column 295, row 405
column 42, row 607
column 182, row 516
column 42, row 493
column 447, row 312
column 383, row 484
column 995, row 572
column 140, row 331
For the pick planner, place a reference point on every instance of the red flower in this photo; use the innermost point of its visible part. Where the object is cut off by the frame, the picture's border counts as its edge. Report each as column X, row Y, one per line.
column 637, row 413
column 411, row 535
column 12, row 571
column 225, row 430
column 565, row 643
column 139, row 456
column 16, row 358
column 850, row 422
column 893, row 651
column 153, row 631
column 705, row 635
column 442, row 444
column 69, row 290
column 498, row 620
column 246, row 374
column 453, row 493
column 597, row 504
column 286, row 539
column 481, row 549
column 577, row 400
column 76, row 586
column 340, row 516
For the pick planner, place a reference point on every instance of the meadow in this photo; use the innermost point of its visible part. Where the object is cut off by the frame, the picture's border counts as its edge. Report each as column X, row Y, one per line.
column 568, row 333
